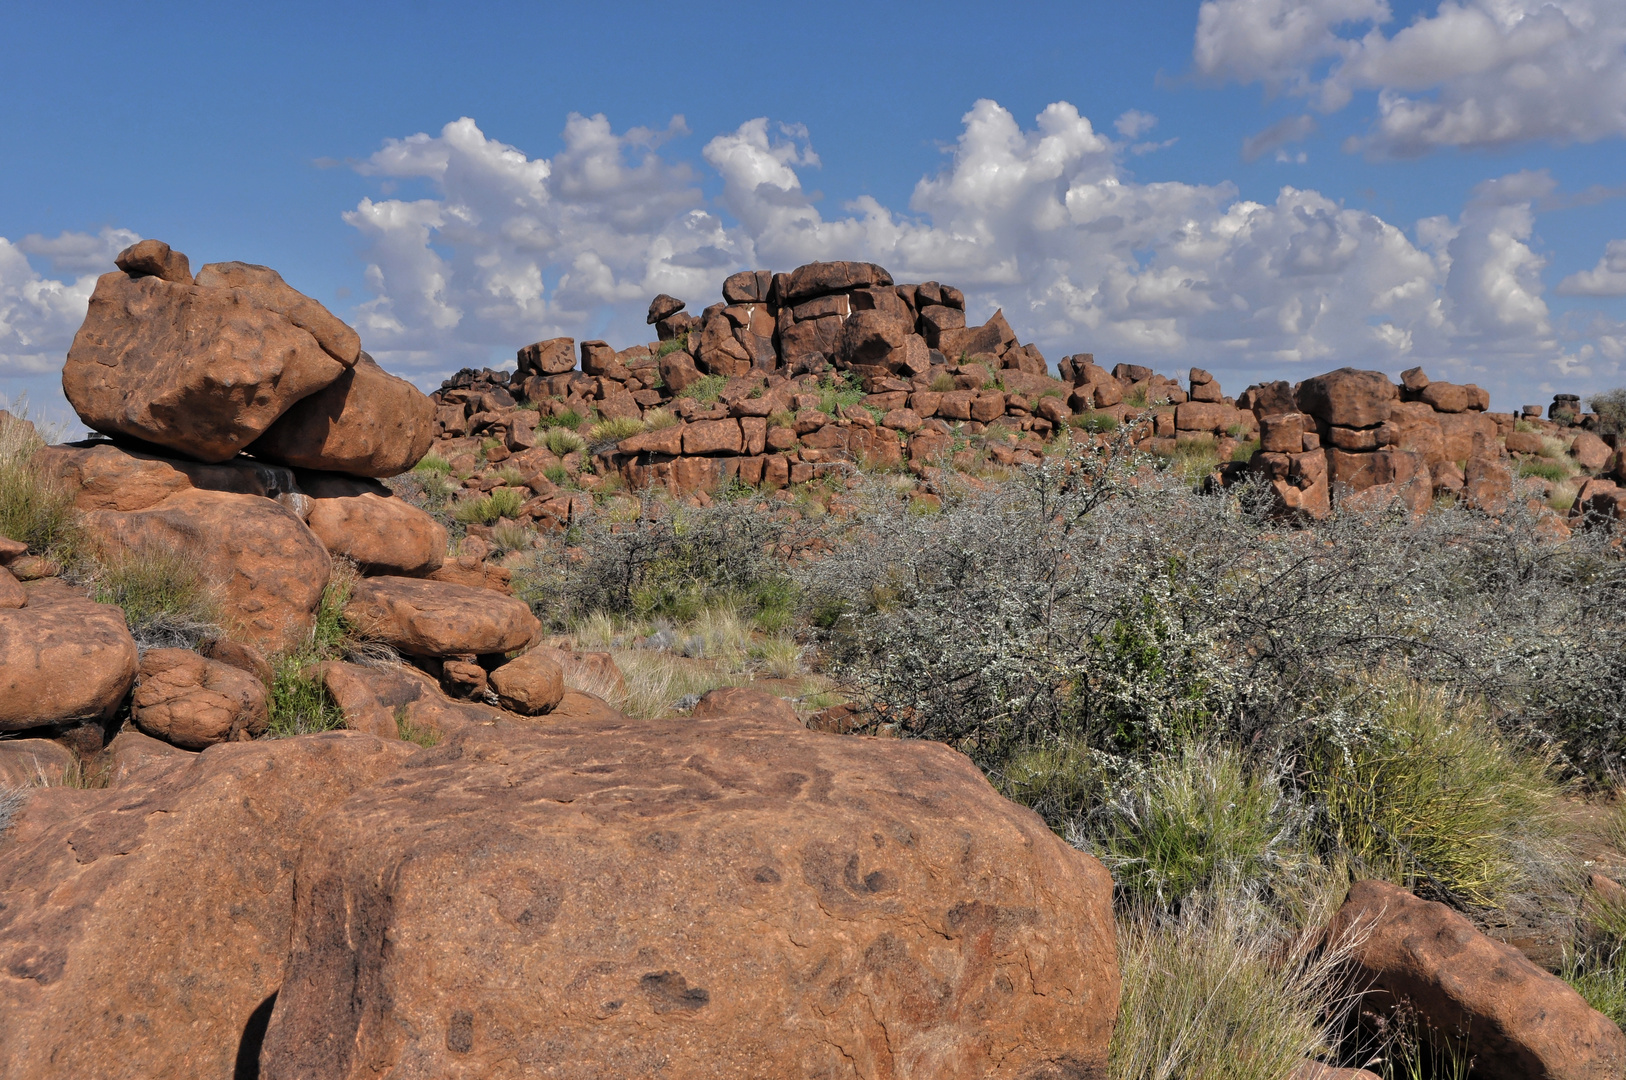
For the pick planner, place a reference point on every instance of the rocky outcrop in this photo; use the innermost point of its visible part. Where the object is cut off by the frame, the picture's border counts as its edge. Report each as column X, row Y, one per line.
column 269, row 568
column 715, row 897
column 1515, row 1020
column 63, row 659
column 146, row 926
column 201, row 369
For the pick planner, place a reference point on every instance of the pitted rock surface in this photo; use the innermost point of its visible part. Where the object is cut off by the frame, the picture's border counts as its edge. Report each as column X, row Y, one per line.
column 730, row 897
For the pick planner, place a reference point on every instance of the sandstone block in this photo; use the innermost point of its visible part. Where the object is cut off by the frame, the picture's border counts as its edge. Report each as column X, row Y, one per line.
column 62, row 659
column 530, row 684
column 381, row 535
column 366, row 423
column 1348, row 397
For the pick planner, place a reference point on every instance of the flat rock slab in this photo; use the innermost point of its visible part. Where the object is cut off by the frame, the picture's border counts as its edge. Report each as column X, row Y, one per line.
column 62, row 659
column 437, row 618
column 143, row 925
column 732, row 897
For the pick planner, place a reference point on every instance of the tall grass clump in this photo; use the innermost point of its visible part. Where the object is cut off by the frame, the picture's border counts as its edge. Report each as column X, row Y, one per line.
column 1190, row 821
column 1430, row 794
column 34, row 508
column 298, row 703
column 503, row 502
column 166, row 600
column 1222, row 990
column 562, row 441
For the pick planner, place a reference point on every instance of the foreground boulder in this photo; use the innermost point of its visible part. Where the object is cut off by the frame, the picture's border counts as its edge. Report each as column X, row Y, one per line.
column 366, row 423
column 269, row 568
column 34, row 762
column 530, row 684
column 63, row 659
column 103, row 476
column 733, row 897
column 1517, row 1021
column 197, row 369
column 141, row 933
column 191, row 702
column 437, row 619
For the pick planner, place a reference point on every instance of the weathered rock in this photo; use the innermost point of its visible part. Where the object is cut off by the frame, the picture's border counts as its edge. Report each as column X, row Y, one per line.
column 34, row 762
column 1590, row 452
column 716, row 897
column 103, row 476
column 243, row 657
column 554, row 356
column 366, row 423
column 62, row 659
column 1359, row 471
column 579, row 705
column 133, row 757
column 743, row 701
column 817, row 278
column 143, row 931
column 1449, row 397
column 194, row 702
column 530, row 684
column 1519, row 1022
column 1348, row 397
column 203, row 371
column 1282, row 433
column 154, row 258
column 268, row 567
column 663, row 307
column 267, row 289
column 382, row 535
column 12, row 595
column 433, row 618
column 678, row 372
column 1487, row 481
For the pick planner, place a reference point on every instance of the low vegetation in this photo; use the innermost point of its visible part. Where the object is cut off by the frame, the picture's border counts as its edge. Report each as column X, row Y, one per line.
column 298, row 703
column 34, row 509
column 166, row 601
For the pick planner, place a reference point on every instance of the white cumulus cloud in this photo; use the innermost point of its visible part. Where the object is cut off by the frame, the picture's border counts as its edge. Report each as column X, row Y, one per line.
column 39, row 314
column 1476, row 73
column 1045, row 221
column 1608, row 278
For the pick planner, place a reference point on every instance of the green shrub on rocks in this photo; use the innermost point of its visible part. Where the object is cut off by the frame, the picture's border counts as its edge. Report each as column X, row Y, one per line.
column 166, row 601
column 34, row 509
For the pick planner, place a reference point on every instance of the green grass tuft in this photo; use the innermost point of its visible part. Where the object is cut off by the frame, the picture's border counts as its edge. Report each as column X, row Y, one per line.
column 160, row 589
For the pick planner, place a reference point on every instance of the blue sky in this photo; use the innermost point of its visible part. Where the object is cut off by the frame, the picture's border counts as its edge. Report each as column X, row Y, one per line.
column 1265, row 188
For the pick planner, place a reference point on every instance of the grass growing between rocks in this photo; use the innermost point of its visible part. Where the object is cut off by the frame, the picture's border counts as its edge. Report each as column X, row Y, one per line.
column 166, row 601
column 298, row 702
column 34, row 509
column 1222, row 989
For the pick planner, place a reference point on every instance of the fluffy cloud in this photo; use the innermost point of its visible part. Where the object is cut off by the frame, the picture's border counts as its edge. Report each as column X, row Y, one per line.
column 508, row 249
column 40, row 314
column 1608, row 278
column 1477, row 73
column 1045, row 222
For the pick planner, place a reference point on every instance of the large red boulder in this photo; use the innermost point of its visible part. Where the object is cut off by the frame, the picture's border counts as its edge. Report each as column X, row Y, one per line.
column 367, row 422
column 1348, row 397
column 201, row 370
column 1516, row 1021
column 103, row 476
column 145, row 926
column 193, row 702
column 693, row 898
column 382, row 535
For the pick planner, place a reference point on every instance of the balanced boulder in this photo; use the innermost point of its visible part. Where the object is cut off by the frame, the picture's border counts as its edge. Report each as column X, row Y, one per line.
column 145, row 929
column 63, row 659
column 266, row 288
column 1348, row 397
column 367, row 422
column 194, row 702
column 693, row 898
column 382, row 535
column 200, row 370
column 267, row 566
column 438, row 619
column 1517, row 1021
